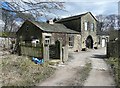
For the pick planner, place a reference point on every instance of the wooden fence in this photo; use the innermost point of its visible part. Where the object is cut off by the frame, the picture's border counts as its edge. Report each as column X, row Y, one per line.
column 32, row 51
column 113, row 49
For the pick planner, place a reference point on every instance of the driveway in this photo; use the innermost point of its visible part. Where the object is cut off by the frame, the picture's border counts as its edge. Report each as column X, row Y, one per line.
column 98, row 76
column 100, row 73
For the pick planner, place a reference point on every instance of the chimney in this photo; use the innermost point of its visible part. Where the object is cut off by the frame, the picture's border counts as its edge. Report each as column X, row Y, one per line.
column 51, row 21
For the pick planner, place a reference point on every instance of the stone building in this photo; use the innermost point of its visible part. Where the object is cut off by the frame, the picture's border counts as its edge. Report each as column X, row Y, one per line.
column 44, row 40
column 86, row 25
column 55, row 40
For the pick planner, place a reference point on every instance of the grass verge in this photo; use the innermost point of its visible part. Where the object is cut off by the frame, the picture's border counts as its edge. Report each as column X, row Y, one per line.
column 115, row 69
column 21, row 71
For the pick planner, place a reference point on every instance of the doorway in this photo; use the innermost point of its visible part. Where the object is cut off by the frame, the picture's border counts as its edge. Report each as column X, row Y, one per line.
column 89, row 42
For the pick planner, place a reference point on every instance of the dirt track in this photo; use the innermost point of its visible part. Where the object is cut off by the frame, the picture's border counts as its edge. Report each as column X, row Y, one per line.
column 66, row 74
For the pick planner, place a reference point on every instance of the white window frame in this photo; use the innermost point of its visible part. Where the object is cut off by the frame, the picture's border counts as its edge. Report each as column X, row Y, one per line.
column 86, row 26
column 71, row 40
column 92, row 26
column 47, row 40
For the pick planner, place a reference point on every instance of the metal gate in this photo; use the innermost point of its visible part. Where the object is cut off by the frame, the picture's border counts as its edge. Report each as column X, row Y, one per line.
column 54, row 50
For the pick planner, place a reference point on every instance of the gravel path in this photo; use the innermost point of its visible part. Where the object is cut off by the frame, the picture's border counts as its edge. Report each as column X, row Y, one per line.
column 99, row 75
column 65, row 72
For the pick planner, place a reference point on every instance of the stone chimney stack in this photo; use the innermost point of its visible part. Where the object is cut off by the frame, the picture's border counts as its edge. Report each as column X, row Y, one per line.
column 51, row 21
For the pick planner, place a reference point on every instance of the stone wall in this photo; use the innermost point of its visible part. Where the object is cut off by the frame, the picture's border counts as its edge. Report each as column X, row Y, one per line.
column 77, row 43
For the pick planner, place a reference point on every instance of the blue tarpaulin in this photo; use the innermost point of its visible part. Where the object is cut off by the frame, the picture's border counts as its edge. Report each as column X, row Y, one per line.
column 37, row 61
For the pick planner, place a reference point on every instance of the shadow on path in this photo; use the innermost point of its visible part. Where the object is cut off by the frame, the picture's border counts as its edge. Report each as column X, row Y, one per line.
column 98, row 56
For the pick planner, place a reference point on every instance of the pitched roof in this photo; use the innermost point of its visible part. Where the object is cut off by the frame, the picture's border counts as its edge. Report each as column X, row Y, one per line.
column 76, row 17
column 54, row 28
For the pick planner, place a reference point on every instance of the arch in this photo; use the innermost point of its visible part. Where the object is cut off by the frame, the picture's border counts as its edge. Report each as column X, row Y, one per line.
column 89, row 42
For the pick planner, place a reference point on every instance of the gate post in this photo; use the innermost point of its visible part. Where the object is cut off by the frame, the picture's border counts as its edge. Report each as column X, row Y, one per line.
column 65, row 50
column 46, row 52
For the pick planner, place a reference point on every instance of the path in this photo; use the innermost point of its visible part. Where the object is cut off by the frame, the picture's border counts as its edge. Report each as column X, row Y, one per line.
column 99, row 75
column 67, row 72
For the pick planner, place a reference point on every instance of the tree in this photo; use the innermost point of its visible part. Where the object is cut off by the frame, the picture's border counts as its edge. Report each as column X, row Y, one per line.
column 108, row 22
column 31, row 10
column 36, row 8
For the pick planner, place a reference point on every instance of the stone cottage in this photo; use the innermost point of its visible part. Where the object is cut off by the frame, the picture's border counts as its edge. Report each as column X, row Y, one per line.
column 44, row 40
column 86, row 25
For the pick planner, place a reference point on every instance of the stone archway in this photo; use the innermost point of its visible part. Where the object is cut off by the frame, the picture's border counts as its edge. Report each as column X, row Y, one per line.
column 89, row 42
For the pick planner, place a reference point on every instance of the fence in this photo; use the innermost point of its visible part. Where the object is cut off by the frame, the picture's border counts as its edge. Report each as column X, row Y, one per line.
column 113, row 49
column 32, row 51
column 5, row 42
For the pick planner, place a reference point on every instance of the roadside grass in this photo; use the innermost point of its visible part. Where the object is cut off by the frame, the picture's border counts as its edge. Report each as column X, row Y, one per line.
column 21, row 71
column 114, row 64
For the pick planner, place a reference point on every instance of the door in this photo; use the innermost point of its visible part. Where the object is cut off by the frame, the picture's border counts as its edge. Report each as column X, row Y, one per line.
column 89, row 42
column 54, row 50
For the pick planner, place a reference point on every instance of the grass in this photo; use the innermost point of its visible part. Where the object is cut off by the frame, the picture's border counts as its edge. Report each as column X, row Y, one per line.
column 113, row 62
column 21, row 71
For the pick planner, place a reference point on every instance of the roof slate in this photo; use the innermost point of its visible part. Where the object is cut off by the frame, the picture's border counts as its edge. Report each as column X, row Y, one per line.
column 56, row 28
column 75, row 17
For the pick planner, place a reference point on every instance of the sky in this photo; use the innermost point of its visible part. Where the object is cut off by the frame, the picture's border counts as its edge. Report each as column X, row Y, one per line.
column 76, row 7
column 94, row 7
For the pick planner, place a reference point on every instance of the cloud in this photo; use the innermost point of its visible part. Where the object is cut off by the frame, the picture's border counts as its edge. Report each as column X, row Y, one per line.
column 74, row 7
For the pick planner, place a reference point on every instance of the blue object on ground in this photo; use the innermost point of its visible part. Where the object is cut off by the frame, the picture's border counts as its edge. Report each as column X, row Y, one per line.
column 38, row 61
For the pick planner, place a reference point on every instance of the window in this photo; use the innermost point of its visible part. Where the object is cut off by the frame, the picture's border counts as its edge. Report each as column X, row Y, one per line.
column 47, row 39
column 86, row 26
column 92, row 26
column 71, row 40
column 99, row 40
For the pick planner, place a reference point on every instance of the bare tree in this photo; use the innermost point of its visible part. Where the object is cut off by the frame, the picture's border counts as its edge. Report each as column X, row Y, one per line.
column 36, row 7
column 30, row 10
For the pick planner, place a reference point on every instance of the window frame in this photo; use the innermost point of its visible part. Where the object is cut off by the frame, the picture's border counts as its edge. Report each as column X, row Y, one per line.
column 85, row 25
column 71, row 40
column 92, row 27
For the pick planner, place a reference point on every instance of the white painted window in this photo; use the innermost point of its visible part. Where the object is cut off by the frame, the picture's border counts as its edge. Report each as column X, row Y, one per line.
column 86, row 26
column 47, row 39
column 92, row 26
column 71, row 41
